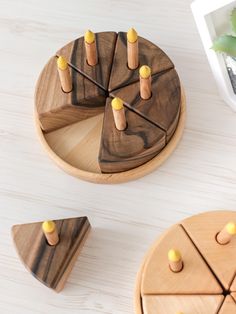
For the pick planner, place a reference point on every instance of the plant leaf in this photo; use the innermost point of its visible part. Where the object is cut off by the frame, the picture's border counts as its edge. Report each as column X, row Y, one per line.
column 225, row 43
column 233, row 20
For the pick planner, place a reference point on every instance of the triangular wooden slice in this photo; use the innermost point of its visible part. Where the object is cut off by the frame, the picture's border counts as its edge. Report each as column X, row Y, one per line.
column 163, row 108
column 229, row 306
column 51, row 264
column 124, row 150
column 149, row 54
column 221, row 258
column 186, row 304
column 195, row 277
column 75, row 54
column 56, row 109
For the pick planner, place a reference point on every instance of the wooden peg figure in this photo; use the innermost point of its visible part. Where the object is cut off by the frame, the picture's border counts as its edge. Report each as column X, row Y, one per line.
column 145, row 82
column 90, row 48
column 119, row 114
column 50, row 232
column 132, row 49
column 64, row 74
column 227, row 233
column 175, row 260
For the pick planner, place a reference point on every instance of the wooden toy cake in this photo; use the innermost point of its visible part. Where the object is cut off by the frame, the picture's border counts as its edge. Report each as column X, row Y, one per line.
column 191, row 268
column 109, row 107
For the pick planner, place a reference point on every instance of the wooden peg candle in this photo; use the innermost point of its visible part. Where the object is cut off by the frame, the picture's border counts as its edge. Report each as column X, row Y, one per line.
column 132, row 49
column 175, row 260
column 119, row 114
column 145, row 82
column 64, row 74
column 90, row 48
column 50, row 232
column 226, row 234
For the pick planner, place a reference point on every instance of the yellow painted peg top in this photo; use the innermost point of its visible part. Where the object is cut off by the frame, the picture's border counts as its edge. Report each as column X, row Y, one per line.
column 145, row 71
column 62, row 63
column 132, row 35
column 231, row 228
column 89, row 37
column 174, row 255
column 117, row 103
column 48, row 226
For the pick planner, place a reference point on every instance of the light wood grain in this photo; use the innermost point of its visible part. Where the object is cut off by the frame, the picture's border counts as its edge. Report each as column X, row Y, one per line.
column 182, row 304
column 199, row 175
column 203, row 229
column 194, row 278
column 229, row 306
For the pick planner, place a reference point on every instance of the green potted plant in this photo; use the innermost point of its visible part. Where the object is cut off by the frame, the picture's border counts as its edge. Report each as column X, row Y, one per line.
column 226, row 44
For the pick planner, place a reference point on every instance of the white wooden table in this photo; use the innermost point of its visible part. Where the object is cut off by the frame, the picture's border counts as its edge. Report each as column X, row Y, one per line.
column 126, row 218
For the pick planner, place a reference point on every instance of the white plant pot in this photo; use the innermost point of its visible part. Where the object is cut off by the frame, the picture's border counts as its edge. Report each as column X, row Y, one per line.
column 213, row 19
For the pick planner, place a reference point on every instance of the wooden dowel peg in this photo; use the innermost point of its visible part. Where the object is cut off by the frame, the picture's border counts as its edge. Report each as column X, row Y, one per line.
column 64, row 75
column 90, row 48
column 145, row 82
column 132, row 49
column 175, row 260
column 226, row 234
column 50, row 232
column 119, row 114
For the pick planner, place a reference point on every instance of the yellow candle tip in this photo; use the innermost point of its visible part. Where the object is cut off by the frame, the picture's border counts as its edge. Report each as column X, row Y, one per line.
column 117, row 104
column 89, row 37
column 145, row 71
column 132, row 35
column 174, row 255
column 62, row 63
column 231, row 228
column 48, row 226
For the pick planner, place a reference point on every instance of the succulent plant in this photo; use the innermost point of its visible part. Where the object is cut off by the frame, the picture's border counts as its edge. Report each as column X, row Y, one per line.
column 227, row 43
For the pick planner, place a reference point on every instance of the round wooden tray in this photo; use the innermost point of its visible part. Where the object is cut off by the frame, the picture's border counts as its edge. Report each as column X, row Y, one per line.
column 208, row 277
column 75, row 149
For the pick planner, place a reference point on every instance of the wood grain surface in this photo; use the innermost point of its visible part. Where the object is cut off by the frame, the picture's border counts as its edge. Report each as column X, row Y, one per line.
column 229, row 306
column 198, row 304
column 163, row 108
column 149, row 53
column 124, row 150
column 56, row 109
column 203, row 229
column 199, row 176
column 51, row 264
column 76, row 56
column 195, row 277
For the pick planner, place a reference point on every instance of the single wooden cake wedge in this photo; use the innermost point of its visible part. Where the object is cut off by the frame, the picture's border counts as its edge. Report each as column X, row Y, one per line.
column 194, row 278
column 56, row 109
column 51, row 264
column 149, row 54
column 163, row 108
column 124, row 150
column 75, row 54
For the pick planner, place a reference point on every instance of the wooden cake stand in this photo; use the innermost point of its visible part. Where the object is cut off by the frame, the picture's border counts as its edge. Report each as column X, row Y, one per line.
column 206, row 283
column 77, row 129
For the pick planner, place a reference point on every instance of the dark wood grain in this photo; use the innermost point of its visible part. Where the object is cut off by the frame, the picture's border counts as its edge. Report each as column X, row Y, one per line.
column 75, row 54
column 163, row 108
column 124, row 150
column 51, row 264
column 149, row 54
column 57, row 109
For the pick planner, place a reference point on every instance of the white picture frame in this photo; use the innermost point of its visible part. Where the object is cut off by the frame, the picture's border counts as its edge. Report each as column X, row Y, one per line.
column 212, row 19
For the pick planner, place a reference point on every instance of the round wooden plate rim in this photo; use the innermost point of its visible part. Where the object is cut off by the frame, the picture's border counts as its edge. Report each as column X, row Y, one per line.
column 121, row 176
